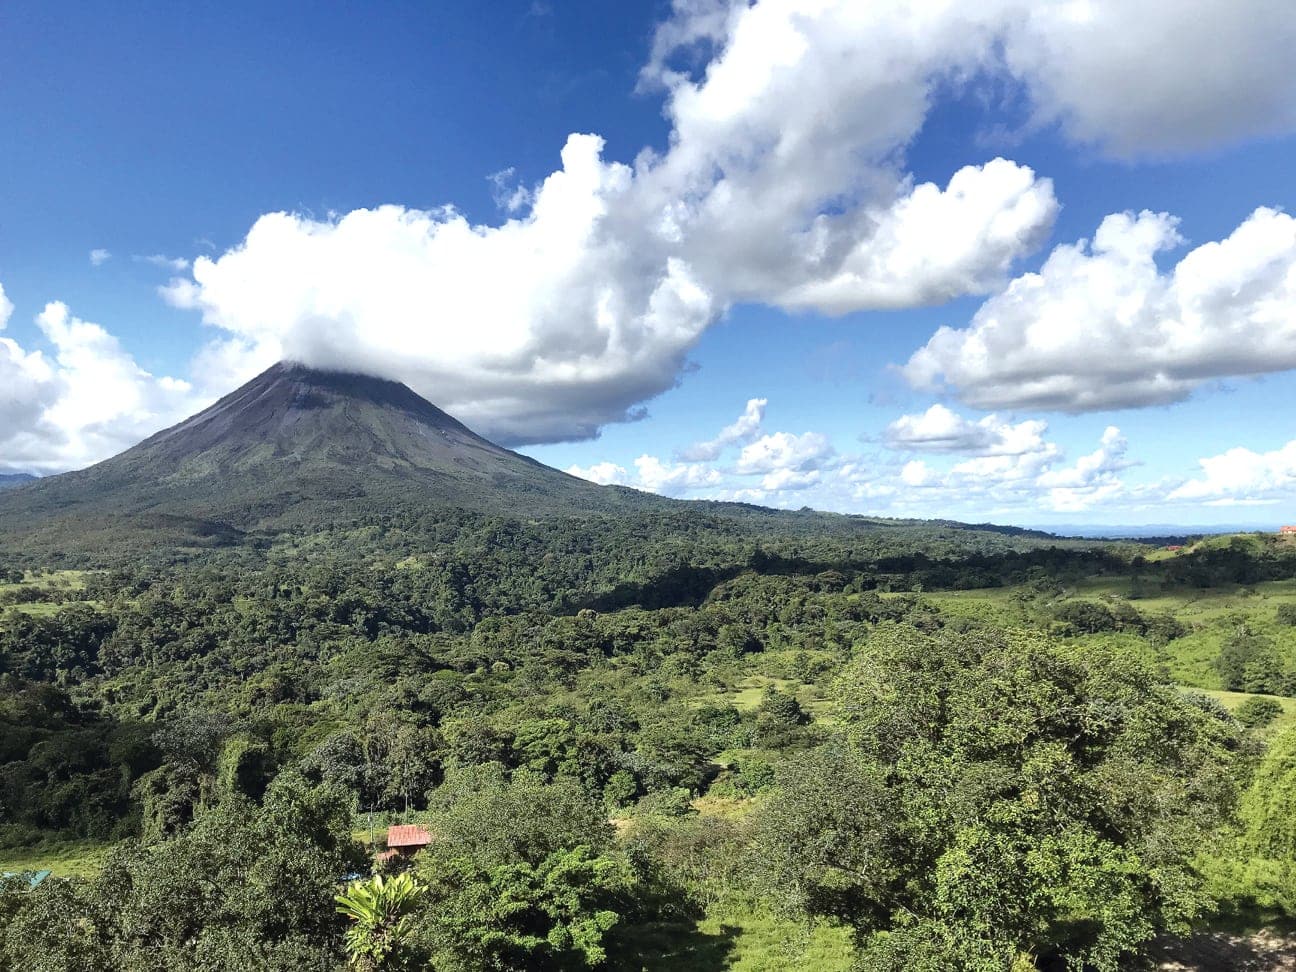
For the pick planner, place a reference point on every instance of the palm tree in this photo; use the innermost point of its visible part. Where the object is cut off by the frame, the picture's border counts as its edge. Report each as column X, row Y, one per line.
column 380, row 909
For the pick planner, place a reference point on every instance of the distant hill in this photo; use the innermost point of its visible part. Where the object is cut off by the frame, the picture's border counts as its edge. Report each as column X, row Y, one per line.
column 294, row 448
column 9, row 480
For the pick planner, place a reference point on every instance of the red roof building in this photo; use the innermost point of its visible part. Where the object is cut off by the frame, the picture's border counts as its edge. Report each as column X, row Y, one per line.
column 408, row 835
column 1287, row 529
column 406, row 840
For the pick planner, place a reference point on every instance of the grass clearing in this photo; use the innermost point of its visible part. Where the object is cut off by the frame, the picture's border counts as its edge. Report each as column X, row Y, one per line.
column 72, row 858
column 1211, row 615
column 740, row 939
column 1231, row 700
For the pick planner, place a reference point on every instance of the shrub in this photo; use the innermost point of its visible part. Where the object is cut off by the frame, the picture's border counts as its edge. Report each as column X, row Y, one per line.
column 1257, row 712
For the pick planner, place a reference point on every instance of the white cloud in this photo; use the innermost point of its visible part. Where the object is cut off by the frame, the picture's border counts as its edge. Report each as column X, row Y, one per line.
column 652, row 475
column 587, row 301
column 1101, row 327
column 508, row 193
column 1032, row 479
column 931, row 246
column 783, row 182
column 673, row 479
column 1241, row 476
column 746, row 427
column 783, row 451
column 1125, row 76
column 87, row 403
column 917, row 474
column 1010, row 472
column 540, row 329
column 27, row 379
column 941, row 430
column 789, row 480
column 99, row 257
column 160, row 260
column 1161, row 76
column 603, row 473
column 1092, row 479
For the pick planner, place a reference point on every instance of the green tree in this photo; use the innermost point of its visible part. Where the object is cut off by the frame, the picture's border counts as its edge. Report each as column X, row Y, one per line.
column 245, row 886
column 1256, row 867
column 522, row 875
column 995, row 795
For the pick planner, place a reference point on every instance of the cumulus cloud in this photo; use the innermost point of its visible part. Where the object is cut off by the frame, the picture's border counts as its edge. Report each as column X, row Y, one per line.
column 652, row 475
column 744, row 429
column 673, row 479
column 784, row 451
column 1129, row 76
column 972, row 468
column 540, row 329
column 785, row 463
column 1027, row 476
column 940, row 429
column 27, row 380
column 87, row 402
column 587, row 299
column 99, row 257
column 1094, row 477
column 1099, row 326
column 1242, row 476
column 603, row 473
column 930, row 246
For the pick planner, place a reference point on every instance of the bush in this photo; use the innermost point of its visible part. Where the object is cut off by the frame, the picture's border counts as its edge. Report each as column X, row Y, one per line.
column 1287, row 615
column 675, row 802
column 1257, row 712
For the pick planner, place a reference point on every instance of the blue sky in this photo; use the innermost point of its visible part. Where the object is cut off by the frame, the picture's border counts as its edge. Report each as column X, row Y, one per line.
column 756, row 224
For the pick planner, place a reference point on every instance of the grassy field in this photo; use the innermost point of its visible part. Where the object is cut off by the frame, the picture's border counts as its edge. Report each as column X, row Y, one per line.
column 1210, row 616
column 1231, row 700
column 738, row 939
column 77, row 858
column 70, row 581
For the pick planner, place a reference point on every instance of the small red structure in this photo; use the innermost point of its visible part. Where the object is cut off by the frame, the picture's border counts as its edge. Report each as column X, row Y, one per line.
column 405, row 840
column 1287, row 529
column 1175, row 546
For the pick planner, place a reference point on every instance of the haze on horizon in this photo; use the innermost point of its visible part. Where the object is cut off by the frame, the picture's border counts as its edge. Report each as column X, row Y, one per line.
column 997, row 261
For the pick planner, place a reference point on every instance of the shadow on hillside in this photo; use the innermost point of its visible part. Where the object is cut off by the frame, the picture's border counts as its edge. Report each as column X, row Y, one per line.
column 672, row 947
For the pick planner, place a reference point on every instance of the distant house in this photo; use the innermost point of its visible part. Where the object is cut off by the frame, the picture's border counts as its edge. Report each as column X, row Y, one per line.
column 1175, row 546
column 1287, row 529
column 405, row 840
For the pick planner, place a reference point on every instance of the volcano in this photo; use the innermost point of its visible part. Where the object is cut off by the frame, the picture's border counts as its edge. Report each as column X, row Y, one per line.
column 293, row 448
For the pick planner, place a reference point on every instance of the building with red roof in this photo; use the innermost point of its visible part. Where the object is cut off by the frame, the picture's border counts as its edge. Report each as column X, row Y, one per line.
column 405, row 840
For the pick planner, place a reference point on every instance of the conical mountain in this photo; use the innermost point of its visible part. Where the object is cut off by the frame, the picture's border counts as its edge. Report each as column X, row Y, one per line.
column 293, row 448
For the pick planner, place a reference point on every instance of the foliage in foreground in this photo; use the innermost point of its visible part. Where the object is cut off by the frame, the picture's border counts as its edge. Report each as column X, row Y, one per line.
column 245, row 887
column 380, row 911
column 963, row 798
column 994, row 796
